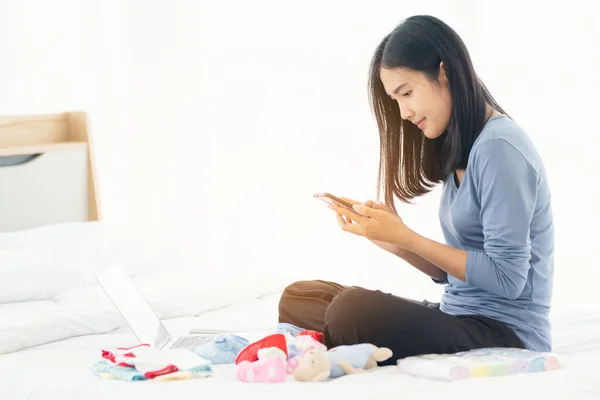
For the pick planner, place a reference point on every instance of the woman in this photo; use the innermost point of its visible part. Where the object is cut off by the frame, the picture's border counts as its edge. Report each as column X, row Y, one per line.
column 439, row 124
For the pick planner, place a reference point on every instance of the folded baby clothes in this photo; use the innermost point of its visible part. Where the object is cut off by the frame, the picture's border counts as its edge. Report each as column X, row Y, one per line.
column 122, row 356
column 108, row 370
column 155, row 364
column 162, row 362
column 223, row 349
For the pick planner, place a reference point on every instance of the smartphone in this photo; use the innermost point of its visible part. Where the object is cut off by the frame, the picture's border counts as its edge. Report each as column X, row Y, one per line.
column 331, row 199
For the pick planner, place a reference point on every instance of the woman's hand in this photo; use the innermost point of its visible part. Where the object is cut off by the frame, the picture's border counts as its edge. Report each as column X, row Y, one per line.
column 424, row 246
column 390, row 247
column 375, row 221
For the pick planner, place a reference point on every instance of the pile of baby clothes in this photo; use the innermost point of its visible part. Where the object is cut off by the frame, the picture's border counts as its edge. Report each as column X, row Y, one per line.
column 273, row 357
column 139, row 363
column 269, row 359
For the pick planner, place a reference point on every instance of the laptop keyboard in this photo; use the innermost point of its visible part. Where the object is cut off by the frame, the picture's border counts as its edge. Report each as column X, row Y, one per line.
column 191, row 342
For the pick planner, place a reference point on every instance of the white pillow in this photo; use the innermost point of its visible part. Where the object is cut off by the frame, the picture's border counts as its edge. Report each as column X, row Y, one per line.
column 41, row 263
column 27, row 275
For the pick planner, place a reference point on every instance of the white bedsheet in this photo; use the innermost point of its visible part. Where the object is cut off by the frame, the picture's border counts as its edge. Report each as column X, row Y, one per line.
column 61, row 370
column 54, row 321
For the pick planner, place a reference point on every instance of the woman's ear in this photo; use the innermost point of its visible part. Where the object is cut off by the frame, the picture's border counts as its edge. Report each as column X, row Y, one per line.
column 443, row 78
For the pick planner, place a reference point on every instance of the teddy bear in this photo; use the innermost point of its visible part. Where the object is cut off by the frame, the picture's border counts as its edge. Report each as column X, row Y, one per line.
column 319, row 365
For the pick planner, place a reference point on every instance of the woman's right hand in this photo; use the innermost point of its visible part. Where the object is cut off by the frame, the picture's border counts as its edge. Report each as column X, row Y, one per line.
column 413, row 259
column 392, row 248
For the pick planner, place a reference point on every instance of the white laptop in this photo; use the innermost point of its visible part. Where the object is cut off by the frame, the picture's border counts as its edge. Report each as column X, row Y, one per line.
column 144, row 322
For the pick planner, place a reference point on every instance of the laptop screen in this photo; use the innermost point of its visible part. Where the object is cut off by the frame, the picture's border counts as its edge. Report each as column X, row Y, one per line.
column 133, row 306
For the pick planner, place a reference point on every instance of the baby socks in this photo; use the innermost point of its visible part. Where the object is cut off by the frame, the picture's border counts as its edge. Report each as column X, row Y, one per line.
column 271, row 366
column 250, row 352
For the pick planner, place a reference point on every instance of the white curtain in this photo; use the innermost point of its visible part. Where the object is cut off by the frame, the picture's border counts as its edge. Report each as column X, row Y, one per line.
column 215, row 121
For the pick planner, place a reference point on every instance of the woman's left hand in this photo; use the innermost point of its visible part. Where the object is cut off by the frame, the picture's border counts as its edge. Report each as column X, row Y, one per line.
column 374, row 224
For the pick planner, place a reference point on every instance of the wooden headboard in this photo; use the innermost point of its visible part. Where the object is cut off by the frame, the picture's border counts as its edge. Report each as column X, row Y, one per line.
column 47, row 173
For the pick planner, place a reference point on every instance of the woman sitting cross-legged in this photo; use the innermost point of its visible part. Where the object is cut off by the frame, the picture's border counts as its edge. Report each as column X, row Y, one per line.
column 439, row 124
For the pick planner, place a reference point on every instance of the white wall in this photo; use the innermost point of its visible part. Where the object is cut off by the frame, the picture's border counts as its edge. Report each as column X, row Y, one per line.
column 216, row 121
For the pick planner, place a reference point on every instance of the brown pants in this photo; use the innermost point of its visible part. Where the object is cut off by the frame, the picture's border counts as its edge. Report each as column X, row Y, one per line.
column 351, row 315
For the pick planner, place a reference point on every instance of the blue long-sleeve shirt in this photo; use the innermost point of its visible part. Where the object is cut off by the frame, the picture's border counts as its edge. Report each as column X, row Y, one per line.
column 501, row 215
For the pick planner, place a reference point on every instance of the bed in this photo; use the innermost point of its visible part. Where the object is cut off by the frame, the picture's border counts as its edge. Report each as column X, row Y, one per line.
column 55, row 319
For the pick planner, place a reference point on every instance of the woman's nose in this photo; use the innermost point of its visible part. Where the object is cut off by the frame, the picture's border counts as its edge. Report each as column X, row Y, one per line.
column 406, row 112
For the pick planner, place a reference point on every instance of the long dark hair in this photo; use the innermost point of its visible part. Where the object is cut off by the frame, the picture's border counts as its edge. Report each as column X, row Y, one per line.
column 410, row 164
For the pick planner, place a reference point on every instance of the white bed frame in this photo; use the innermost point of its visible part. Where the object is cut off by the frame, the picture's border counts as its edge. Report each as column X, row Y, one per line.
column 47, row 173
